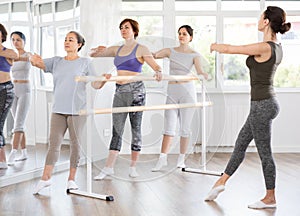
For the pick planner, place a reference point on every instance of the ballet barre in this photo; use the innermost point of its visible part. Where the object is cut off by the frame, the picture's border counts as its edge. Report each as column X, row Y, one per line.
column 90, row 112
column 143, row 108
column 135, row 78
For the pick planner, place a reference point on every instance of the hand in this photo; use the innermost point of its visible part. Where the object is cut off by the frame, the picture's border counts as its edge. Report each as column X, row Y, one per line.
column 107, row 76
column 158, row 76
column 35, row 59
column 212, row 47
column 97, row 50
column 205, row 75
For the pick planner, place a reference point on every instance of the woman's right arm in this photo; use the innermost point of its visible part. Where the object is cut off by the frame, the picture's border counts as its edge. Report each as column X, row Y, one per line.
column 9, row 54
column 163, row 53
column 102, row 51
column 37, row 61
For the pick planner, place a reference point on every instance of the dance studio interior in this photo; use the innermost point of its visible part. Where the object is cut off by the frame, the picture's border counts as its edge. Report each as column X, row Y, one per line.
column 224, row 91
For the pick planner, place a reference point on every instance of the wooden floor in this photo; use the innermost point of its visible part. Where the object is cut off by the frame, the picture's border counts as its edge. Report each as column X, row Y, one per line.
column 171, row 192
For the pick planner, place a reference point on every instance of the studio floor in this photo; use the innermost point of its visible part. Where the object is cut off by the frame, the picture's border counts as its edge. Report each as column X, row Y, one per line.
column 166, row 193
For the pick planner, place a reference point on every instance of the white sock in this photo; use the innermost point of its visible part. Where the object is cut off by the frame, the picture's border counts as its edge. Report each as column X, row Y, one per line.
column 162, row 161
column 180, row 161
column 163, row 155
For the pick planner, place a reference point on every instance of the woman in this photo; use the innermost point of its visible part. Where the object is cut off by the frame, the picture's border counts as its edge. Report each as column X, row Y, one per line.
column 20, row 107
column 264, row 57
column 7, row 57
column 69, row 98
column 182, row 59
column 129, row 59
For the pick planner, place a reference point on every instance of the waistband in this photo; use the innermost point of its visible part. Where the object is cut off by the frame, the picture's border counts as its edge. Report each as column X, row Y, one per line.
column 21, row 81
column 129, row 83
column 178, row 82
column 6, row 83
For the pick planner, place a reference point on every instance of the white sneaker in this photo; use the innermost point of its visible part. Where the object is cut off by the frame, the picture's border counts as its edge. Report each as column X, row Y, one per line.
column 11, row 157
column 72, row 185
column 133, row 173
column 180, row 161
column 23, row 156
column 3, row 165
column 106, row 171
column 162, row 161
column 41, row 185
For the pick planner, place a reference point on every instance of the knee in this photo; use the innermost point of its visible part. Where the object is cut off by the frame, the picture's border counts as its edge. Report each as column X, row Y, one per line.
column 185, row 133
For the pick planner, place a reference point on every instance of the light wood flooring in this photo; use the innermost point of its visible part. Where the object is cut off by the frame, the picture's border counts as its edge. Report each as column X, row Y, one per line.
column 166, row 193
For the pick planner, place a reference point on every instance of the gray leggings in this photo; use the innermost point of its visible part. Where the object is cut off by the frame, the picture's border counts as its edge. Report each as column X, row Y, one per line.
column 130, row 94
column 20, row 106
column 59, row 124
column 6, row 99
column 257, row 127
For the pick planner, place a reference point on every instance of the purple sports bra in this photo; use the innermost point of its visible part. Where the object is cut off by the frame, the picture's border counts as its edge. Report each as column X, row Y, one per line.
column 128, row 62
column 4, row 65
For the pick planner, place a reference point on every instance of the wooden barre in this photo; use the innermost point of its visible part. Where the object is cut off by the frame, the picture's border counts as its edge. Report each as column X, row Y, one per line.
column 135, row 78
column 143, row 108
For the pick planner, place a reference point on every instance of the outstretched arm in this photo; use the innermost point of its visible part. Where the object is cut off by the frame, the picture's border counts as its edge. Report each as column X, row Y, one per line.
column 163, row 53
column 102, row 51
column 9, row 54
column 256, row 49
column 37, row 61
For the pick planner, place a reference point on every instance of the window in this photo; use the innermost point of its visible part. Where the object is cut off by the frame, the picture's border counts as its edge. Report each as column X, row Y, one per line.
column 146, row 5
column 237, row 31
column 288, row 72
column 19, row 11
column 204, row 34
column 54, row 20
column 3, row 12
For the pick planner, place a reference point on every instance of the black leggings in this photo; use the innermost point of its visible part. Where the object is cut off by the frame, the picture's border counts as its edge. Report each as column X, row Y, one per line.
column 6, row 99
column 257, row 127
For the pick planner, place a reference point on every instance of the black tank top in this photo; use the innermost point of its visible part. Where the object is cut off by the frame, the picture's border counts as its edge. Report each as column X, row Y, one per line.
column 262, row 73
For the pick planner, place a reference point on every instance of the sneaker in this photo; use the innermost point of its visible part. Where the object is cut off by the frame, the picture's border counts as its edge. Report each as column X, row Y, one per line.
column 180, row 161
column 72, row 185
column 162, row 161
column 106, row 171
column 11, row 157
column 41, row 184
column 3, row 165
column 133, row 173
column 23, row 155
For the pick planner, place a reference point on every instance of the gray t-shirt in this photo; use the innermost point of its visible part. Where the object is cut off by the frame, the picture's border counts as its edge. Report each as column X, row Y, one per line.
column 69, row 95
column 20, row 69
column 181, row 63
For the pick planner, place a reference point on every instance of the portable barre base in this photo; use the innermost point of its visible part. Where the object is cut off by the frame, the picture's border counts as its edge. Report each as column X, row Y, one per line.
column 92, row 195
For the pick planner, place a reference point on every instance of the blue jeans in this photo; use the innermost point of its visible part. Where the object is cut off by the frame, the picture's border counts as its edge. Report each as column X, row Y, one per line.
column 130, row 94
column 6, row 99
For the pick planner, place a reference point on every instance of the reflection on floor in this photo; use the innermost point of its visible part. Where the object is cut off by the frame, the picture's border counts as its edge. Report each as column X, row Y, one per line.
column 36, row 158
column 170, row 192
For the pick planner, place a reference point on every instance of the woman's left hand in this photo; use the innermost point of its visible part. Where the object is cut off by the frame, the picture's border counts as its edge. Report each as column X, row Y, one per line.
column 158, row 76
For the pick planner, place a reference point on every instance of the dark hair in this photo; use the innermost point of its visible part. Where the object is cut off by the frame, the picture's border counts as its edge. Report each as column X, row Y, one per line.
column 4, row 33
column 20, row 34
column 134, row 24
column 80, row 39
column 276, row 17
column 188, row 29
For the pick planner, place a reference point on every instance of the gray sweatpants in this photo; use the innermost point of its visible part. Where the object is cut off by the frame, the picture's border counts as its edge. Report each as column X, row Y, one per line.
column 20, row 105
column 257, row 127
column 59, row 124
column 130, row 94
